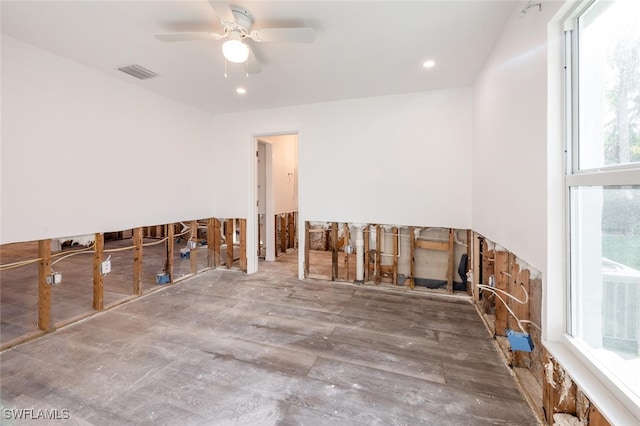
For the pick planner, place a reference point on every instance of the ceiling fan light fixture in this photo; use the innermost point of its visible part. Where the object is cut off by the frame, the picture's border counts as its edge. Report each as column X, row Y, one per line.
column 235, row 51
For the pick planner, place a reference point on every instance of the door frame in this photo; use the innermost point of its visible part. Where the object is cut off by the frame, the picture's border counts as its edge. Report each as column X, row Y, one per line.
column 252, row 208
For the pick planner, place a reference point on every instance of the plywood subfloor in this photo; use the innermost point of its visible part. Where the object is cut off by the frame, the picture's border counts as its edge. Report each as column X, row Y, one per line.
column 264, row 349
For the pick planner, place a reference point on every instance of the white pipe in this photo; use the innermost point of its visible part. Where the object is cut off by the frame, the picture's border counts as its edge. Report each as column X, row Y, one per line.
column 359, row 254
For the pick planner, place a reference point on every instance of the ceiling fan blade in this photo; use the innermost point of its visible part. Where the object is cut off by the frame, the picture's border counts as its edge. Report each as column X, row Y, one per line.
column 222, row 10
column 291, row 35
column 253, row 66
column 188, row 36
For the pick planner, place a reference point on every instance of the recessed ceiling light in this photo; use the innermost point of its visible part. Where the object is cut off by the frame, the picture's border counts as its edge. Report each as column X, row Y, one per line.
column 241, row 90
column 429, row 64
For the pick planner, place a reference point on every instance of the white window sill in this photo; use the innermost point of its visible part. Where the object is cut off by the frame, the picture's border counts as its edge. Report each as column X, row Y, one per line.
column 610, row 403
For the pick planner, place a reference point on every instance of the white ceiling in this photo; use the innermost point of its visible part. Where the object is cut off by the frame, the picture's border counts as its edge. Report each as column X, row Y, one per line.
column 362, row 48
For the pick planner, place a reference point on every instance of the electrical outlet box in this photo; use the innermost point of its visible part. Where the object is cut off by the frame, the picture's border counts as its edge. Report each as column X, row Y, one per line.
column 193, row 244
column 162, row 279
column 105, row 267
column 492, row 281
column 55, row 278
column 520, row 341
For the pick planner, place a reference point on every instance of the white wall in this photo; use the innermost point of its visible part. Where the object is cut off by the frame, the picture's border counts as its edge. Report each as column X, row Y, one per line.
column 401, row 159
column 510, row 138
column 83, row 152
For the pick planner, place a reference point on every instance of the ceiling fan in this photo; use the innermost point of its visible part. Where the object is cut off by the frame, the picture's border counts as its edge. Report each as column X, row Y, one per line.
column 236, row 23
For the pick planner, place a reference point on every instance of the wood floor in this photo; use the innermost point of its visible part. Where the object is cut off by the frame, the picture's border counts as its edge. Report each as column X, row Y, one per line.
column 264, row 349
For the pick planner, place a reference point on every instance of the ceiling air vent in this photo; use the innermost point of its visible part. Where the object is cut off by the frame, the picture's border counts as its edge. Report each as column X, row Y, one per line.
column 138, row 72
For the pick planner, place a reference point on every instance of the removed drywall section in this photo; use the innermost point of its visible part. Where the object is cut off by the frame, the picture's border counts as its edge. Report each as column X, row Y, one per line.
column 76, row 142
column 387, row 255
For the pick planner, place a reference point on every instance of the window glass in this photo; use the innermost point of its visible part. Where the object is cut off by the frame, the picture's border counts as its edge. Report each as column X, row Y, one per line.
column 605, row 251
column 609, row 84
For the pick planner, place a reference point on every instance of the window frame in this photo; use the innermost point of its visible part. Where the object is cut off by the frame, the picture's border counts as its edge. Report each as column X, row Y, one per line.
column 574, row 177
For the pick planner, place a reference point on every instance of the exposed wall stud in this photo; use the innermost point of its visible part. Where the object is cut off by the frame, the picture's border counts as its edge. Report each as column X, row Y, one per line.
column 193, row 253
column 243, row 244
column 379, row 236
column 367, row 258
column 307, row 244
column 98, row 281
column 334, row 251
column 217, row 242
column 229, row 238
column 412, row 253
column 396, row 239
column 502, row 283
column 137, row 261
column 291, row 229
column 450, row 262
column 169, row 248
column 210, row 244
column 283, row 233
column 469, row 264
column 44, row 289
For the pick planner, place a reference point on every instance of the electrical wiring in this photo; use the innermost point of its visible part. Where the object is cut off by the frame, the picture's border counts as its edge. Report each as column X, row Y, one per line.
column 497, row 292
column 62, row 253
column 113, row 250
column 14, row 265
column 72, row 254
column 155, row 242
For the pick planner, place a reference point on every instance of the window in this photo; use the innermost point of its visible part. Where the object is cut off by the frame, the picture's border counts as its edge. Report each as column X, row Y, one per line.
column 603, row 188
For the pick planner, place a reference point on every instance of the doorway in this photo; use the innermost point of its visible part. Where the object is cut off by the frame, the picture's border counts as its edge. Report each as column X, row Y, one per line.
column 276, row 195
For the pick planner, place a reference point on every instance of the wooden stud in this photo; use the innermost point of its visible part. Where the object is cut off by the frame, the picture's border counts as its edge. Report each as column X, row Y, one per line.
column 469, row 267
column 210, row 242
column 432, row 245
column 98, row 281
column 283, row 233
column 396, row 239
column 217, row 242
column 307, row 245
column 595, row 418
column 44, row 289
column 520, row 359
column 367, row 260
column 243, row 244
column 378, row 254
column 276, row 225
column 450, row 261
column 169, row 248
column 488, row 268
column 291, row 229
column 502, row 283
column 412, row 253
column 259, row 235
column 334, row 251
column 229, row 238
column 137, row 261
column 475, row 265
column 193, row 253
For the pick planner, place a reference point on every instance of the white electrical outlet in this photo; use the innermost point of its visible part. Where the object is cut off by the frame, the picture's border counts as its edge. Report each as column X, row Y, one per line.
column 193, row 244
column 105, row 267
